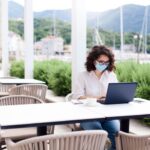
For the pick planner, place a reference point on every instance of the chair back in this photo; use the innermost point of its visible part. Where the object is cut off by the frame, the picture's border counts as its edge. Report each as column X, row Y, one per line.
column 36, row 90
column 68, row 97
column 6, row 87
column 127, row 141
column 80, row 140
column 19, row 99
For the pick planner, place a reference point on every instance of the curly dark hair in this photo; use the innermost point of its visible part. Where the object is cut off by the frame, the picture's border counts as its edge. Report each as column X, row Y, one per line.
column 94, row 55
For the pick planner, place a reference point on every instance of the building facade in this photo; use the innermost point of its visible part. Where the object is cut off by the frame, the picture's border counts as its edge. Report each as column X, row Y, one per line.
column 52, row 45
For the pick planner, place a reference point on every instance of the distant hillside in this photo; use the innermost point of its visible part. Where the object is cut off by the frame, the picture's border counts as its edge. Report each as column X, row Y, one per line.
column 15, row 10
column 108, row 20
column 64, row 15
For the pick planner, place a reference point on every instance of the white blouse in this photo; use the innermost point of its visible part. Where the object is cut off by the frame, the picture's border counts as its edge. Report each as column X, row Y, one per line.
column 88, row 84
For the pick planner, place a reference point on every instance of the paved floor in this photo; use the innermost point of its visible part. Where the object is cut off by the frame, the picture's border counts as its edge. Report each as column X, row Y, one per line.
column 139, row 128
column 61, row 129
column 51, row 97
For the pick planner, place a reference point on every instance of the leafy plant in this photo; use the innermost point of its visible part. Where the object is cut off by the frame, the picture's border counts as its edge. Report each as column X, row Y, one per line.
column 143, row 91
column 125, row 70
column 142, row 74
column 41, row 70
column 17, row 69
column 60, row 79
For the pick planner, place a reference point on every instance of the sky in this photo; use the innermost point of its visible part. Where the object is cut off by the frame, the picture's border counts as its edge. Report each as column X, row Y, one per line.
column 91, row 5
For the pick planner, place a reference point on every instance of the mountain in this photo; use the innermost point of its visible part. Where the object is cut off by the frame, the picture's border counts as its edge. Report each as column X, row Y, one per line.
column 108, row 20
column 15, row 10
column 133, row 16
column 64, row 15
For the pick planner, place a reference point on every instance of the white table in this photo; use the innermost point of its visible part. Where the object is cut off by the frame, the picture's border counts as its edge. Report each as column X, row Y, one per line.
column 40, row 115
column 20, row 81
column 124, row 112
column 44, row 114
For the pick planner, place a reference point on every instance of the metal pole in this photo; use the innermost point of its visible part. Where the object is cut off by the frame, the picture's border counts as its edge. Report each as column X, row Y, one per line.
column 121, row 28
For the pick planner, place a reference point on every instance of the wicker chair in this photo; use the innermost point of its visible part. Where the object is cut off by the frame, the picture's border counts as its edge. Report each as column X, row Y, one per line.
column 4, row 89
column 36, row 90
column 18, row 100
column 19, row 133
column 68, row 97
column 128, row 141
column 80, row 140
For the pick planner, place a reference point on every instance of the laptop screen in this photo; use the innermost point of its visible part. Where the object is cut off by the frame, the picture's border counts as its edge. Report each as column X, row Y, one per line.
column 121, row 92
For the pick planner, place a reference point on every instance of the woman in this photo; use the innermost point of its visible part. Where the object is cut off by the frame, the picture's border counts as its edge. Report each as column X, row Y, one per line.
column 93, row 83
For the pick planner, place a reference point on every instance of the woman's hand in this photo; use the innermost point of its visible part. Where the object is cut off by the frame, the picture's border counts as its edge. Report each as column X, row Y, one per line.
column 96, row 97
column 102, row 98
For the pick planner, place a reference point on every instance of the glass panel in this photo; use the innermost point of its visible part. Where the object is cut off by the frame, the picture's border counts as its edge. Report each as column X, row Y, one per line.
column 52, row 28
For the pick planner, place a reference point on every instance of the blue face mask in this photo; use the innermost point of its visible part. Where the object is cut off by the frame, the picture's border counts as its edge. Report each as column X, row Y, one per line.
column 100, row 67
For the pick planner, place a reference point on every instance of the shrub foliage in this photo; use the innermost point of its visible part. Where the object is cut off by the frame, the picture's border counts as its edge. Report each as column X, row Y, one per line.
column 55, row 73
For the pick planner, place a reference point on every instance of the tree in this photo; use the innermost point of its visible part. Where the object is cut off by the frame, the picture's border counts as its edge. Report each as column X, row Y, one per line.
column 17, row 27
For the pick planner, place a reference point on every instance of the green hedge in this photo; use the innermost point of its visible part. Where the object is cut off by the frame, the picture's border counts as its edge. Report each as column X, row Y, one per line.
column 60, row 79
column 44, row 69
column 130, row 71
column 125, row 70
column 17, row 69
column 56, row 74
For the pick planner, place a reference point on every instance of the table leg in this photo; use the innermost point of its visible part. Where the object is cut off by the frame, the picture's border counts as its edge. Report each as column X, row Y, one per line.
column 42, row 130
column 124, row 125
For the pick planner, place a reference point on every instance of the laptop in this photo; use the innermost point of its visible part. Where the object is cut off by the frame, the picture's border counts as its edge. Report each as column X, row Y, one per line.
column 119, row 93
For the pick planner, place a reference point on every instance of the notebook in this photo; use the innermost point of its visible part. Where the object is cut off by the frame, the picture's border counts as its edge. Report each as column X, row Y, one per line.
column 119, row 93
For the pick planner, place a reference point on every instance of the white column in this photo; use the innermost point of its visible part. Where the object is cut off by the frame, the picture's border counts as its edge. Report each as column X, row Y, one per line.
column 78, row 38
column 28, row 36
column 4, row 31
